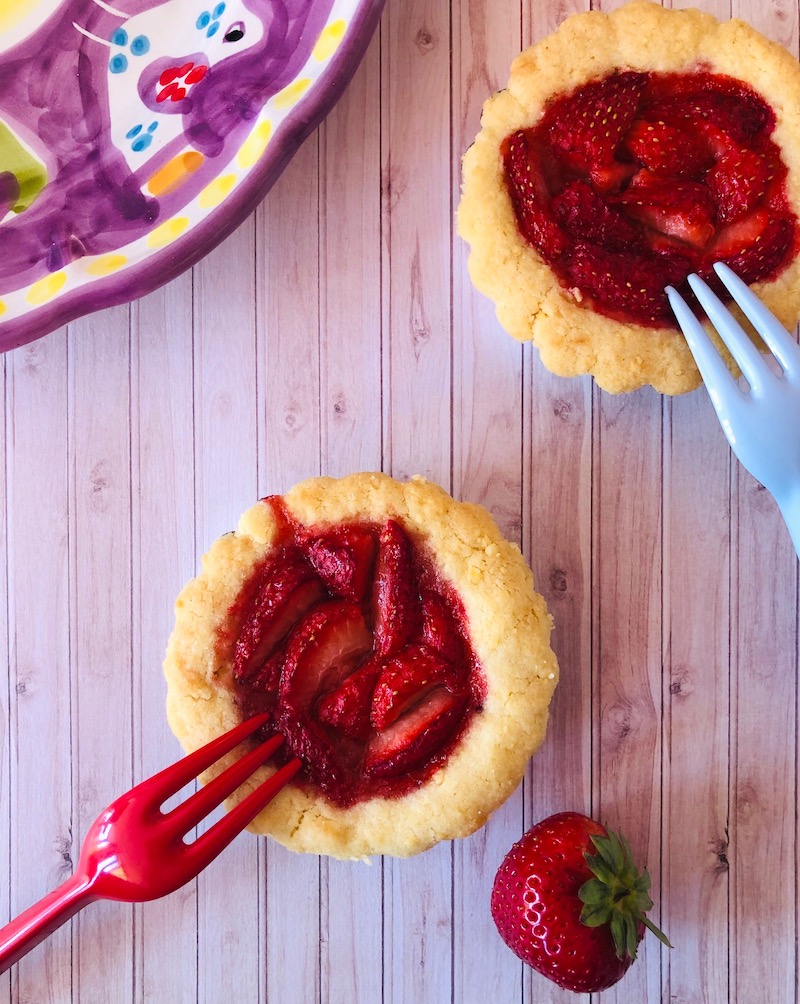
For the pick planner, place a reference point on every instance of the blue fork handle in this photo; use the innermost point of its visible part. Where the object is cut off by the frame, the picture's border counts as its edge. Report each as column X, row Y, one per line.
column 790, row 510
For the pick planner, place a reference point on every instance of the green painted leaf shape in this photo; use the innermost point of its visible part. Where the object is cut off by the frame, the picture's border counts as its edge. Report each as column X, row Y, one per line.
column 30, row 172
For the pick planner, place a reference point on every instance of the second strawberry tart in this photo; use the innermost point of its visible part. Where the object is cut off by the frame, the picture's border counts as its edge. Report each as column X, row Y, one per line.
column 397, row 643
column 629, row 150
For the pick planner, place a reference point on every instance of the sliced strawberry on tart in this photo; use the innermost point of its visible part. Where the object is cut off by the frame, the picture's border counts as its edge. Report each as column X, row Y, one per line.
column 396, row 642
column 629, row 150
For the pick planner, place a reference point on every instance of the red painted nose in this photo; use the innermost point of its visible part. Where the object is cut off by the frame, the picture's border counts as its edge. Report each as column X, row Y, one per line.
column 175, row 81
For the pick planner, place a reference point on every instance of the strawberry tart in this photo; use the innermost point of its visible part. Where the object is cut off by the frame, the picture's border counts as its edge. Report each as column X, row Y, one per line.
column 629, row 150
column 395, row 640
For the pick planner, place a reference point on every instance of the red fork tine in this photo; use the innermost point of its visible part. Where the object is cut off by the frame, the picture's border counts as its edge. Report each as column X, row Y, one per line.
column 170, row 780
column 209, row 844
column 189, row 813
column 133, row 852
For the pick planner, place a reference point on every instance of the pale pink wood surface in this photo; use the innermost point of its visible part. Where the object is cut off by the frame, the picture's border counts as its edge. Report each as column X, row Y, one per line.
column 337, row 330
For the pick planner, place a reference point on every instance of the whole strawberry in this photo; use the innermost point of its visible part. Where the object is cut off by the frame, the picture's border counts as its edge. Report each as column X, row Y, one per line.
column 570, row 902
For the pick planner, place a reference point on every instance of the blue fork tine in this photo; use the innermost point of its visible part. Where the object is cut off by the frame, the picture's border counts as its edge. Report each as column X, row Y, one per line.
column 776, row 337
column 712, row 367
column 739, row 343
column 762, row 424
column 749, row 359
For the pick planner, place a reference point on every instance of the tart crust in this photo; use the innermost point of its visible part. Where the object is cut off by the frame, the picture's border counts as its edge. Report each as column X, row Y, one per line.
column 509, row 629
column 530, row 301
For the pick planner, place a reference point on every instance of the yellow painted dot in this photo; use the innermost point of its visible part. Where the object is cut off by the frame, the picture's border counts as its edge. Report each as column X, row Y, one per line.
column 3, row 308
column 107, row 264
column 328, row 41
column 214, row 193
column 255, row 144
column 175, row 172
column 45, row 289
column 291, row 94
column 168, row 232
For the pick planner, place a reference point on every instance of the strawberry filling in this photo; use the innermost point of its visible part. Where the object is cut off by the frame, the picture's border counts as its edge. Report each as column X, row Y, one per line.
column 359, row 651
column 633, row 181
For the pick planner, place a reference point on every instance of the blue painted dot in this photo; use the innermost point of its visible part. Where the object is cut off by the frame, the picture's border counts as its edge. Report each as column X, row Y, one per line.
column 133, row 132
column 213, row 29
column 203, row 20
column 118, row 63
column 152, row 127
column 120, row 37
column 141, row 143
column 140, row 45
column 219, row 10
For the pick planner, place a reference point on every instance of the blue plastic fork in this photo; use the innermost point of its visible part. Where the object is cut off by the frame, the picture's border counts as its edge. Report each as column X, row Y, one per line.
column 762, row 422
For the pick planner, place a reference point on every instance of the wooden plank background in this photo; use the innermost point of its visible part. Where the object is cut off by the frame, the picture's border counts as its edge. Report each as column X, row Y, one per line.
column 337, row 330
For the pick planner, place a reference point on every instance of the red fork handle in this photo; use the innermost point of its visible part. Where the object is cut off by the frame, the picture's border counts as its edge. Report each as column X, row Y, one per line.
column 40, row 920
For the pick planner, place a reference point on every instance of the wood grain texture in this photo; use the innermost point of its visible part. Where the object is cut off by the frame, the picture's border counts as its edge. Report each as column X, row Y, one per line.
column 7, row 905
column 696, row 697
column 288, row 283
column 416, row 156
column 229, row 895
column 98, row 365
column 39, row 657
column 487, row 467
column 164, row 555
column 337, row 330
column 558, row 514
column 351, row 439
column 764, row 682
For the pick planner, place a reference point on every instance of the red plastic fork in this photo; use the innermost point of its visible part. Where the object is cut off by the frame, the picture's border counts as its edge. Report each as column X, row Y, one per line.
column 134, row 852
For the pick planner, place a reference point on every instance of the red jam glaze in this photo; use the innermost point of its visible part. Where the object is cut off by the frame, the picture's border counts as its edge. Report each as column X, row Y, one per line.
column 635, row 180
column 359, row 651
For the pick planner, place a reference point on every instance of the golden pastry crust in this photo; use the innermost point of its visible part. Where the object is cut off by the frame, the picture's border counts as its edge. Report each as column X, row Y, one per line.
column 530, row 302
column 509, row 629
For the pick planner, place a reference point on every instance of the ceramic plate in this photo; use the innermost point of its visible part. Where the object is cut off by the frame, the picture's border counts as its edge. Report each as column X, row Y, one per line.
column 136, row 135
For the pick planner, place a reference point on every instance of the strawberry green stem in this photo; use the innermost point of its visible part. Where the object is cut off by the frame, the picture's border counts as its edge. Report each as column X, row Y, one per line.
column 618, row 895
